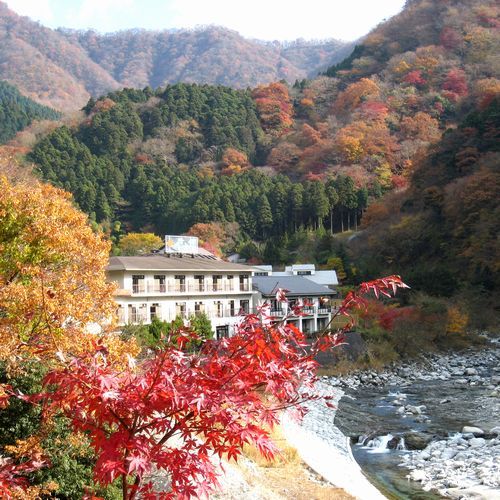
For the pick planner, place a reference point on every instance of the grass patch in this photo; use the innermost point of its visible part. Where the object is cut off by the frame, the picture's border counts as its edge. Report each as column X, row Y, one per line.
column 287, row 455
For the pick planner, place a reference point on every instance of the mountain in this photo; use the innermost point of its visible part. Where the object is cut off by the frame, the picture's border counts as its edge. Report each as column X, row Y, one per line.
column 44, row 66
column 214, row 55
column 17, row 112
column 62, row 68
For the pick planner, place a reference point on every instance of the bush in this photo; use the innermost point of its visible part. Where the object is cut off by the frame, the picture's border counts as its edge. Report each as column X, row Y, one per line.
column 70, row 456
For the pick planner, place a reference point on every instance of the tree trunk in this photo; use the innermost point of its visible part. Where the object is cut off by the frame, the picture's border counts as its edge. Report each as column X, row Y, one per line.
column 331, row 222
column 348, row 220
column 356, row 220
column 342, row 219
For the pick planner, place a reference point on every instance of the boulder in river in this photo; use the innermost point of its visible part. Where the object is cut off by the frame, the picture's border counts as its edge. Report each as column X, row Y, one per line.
column 468, row 429
column 417, row 440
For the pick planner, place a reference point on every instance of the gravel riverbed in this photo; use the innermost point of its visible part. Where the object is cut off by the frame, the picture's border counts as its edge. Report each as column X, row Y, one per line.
column 459, row 444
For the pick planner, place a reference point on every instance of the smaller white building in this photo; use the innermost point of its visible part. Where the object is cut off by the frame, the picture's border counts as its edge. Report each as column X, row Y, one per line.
column 301, row 288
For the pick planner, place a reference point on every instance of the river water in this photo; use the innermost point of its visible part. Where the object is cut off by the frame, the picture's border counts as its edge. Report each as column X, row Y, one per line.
column 375, row 413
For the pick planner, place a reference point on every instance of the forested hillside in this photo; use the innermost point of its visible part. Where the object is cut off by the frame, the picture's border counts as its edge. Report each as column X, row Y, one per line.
column 64, row 68
column 382, row 107
column 181, row 155
column 443, row 232
column 140, row 58
column 17, row 112
column 369, row 123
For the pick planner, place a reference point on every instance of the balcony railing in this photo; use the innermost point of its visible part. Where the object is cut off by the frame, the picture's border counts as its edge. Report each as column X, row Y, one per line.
column 277, row 312
column 148, row 287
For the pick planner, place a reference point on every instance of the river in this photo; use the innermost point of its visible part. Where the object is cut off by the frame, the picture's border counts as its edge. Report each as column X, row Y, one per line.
column 430, row 401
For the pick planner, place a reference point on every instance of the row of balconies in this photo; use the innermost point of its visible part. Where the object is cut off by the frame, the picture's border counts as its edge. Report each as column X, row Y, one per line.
column 149, row 288
column 142, row 317
column 308, row 311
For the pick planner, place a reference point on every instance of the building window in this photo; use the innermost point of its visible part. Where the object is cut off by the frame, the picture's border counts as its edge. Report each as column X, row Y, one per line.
column 244, row 283
column 261, row 273
column 121, row 314
column 137, row 313
column 159, row 283
column 276, row 308
column 180, row 283
column 180, row 309
column 199, row 283
column 231, row 308
column 244, row 306
column 199, row 308
column 222, row 332
column 218, row 309
column 154, row 311
column 304, row 273
column 230, row 283
column 217, row 282
column 138, row 283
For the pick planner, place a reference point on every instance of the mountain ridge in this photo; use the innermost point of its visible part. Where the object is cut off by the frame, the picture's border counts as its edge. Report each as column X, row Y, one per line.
column 63, row 68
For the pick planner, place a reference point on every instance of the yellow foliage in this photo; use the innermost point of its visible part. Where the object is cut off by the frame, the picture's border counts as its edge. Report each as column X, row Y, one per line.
column 139, row 243
column 52, row 274
column 457, row 320
column 402, row 67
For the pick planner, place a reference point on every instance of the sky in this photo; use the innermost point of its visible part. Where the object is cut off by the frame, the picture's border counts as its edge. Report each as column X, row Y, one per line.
column 262, row 19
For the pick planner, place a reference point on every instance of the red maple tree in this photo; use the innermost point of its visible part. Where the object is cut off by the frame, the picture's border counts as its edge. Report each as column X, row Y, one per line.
column 177, row 409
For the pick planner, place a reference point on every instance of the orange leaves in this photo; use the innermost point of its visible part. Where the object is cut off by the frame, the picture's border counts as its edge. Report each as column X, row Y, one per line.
column 234, row 161
column 355, row 94
column 52, row 281
column 457, row 320
column 421, row 126
column 485, row 91
column 275, row 107
column 360, row 138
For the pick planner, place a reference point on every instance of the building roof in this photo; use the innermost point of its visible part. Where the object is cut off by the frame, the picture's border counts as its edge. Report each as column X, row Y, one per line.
column 174, row 262
column 325, row 278
column 296, row 285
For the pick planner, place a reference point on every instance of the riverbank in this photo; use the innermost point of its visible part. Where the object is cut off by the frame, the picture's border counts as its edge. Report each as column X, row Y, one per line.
column 432, row 404
column 324, row 448
column 446, row 392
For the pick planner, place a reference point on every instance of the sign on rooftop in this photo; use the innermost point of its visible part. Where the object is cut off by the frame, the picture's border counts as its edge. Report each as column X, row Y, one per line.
column 181, row 244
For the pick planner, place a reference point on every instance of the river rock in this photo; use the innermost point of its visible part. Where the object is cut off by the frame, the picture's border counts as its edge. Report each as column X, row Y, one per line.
column 472, row 430
column 470, row 371
column 417, row 440
column 495, row 430
column 477, row 442
column 448, row 454
column 417, row 475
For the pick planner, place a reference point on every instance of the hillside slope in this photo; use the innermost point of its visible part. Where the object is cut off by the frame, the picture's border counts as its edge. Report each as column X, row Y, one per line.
column 443, row 232
column 342, row 141
column 45, row 66
column 215, row 55
column 17, row 112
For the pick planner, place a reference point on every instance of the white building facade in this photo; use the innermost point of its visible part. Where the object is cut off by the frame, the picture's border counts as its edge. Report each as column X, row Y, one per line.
column 172, row 285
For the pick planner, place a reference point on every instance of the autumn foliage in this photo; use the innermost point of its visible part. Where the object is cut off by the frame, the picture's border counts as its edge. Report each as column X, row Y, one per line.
column 52, row 282
column 275, row 107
